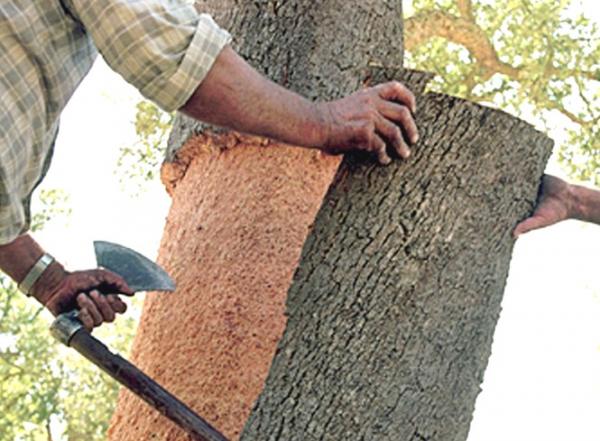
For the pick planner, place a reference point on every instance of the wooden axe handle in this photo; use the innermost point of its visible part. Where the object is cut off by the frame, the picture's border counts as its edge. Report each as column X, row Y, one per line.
column 143, row 386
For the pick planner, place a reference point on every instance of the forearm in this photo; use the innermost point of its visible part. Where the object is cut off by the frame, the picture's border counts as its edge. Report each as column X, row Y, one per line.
column 586, row 205
column 19, row 256
column 235, row 96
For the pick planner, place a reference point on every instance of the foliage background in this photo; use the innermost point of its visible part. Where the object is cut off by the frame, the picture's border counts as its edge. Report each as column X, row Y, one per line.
column 539, row 60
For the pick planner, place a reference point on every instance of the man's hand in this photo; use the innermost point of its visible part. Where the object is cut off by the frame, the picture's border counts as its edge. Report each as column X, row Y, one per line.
column 556, row 204
column 93, row 292
column 559, row 201
column 371, row 120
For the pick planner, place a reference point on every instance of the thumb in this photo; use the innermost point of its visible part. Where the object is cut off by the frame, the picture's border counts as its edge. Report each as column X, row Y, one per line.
column 110, row 283
column 531, row 223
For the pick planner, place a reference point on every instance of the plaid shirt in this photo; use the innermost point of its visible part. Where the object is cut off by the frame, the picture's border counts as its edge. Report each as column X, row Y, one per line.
column 162, row 47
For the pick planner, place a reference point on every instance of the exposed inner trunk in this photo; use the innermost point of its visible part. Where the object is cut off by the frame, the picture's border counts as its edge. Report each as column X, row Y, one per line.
column 232, row 241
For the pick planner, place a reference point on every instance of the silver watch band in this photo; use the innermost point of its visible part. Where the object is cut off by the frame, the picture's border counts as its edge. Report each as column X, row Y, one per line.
column 34, row 273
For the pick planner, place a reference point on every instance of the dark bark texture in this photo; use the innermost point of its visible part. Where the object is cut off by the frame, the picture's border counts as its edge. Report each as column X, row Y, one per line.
column 322, row 49
column 393, row 306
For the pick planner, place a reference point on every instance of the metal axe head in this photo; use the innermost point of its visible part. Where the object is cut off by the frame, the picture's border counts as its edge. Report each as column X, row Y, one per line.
column 140, row 273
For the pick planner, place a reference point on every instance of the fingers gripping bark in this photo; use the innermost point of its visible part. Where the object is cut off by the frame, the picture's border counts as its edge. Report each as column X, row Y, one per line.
column 375, row 119
column 398, row 92
column 393, row 134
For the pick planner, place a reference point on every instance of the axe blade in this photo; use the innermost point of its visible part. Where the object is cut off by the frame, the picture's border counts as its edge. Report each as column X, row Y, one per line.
column 140, row 273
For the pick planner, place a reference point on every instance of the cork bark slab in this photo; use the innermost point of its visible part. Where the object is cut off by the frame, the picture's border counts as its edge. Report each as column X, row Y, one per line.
column 393, row 307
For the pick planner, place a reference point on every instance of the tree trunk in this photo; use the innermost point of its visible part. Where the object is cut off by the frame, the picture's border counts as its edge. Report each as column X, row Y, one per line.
column 384, row 318
column 393, row 307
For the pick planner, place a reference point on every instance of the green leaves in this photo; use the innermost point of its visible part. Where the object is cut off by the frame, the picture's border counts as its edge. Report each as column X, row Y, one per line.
column 28, row 368
column 47, row 390
column 141, row 162
column 52, row 203
column 539, row 60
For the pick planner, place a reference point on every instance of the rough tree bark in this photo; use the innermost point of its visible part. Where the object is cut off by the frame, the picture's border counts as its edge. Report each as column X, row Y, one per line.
column 393, row 307
column 394, row 303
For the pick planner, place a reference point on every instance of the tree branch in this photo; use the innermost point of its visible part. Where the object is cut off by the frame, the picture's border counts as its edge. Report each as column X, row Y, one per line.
column 489, row 95
column 6, row 358
column 460, row 30
column 421, row 27
column 570, row 115
column 559, row 72
column 48, row 429
column 465, row 7
column 10, row 375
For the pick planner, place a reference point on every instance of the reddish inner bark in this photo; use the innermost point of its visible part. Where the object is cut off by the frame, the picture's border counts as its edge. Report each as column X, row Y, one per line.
column 242, row 208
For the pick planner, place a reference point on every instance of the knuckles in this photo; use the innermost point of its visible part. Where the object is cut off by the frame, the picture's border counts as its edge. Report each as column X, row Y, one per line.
column 396, row 135
column 356, row 118
column 79, row 290
column 404, row 113
column 365, row 133
column 398, row 87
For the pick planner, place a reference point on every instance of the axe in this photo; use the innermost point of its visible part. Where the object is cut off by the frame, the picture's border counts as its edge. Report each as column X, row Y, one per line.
column 141, row 274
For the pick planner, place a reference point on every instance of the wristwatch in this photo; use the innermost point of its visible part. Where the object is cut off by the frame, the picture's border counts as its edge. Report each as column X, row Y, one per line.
column 34, row 273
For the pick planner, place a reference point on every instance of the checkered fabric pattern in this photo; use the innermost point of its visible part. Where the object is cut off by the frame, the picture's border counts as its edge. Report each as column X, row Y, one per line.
column 162, row 47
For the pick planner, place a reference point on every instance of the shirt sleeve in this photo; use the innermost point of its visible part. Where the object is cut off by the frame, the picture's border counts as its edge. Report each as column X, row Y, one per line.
column 162, row 47
column 18, row 179
column 14, row 219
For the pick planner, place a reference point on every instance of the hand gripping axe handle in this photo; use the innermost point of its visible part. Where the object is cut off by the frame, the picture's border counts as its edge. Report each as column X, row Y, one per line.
column 141, row 274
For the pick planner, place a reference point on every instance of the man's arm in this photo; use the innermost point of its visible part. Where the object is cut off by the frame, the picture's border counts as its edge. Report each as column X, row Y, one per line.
column 560, row 201
column 235, row 96
column 587, row 204
column 92, row 292
column 187, row 64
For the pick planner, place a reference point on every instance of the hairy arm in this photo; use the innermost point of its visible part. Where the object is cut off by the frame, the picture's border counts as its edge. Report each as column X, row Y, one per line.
column 236, row 96
column 586, row 204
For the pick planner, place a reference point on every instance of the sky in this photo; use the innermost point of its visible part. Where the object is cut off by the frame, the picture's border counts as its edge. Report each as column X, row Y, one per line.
column 543, row 378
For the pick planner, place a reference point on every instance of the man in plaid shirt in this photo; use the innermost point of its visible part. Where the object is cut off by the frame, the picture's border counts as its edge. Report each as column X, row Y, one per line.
column 182, row 61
